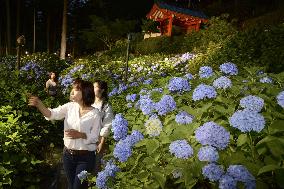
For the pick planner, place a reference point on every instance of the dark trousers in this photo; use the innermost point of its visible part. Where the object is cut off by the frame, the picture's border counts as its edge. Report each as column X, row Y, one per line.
column 74, row 164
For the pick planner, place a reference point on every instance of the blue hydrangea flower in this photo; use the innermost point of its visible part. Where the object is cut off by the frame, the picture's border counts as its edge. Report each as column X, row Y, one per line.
column 208, row 153
column 76, row 69
column 178, row 84
column 222, row 83
column 148, row 81
column 133, row 84
column 101, row 181
column 122, row 87
column 252, row 103
column 131, row 97
column 119, row 127
column 160, row 90
column 165, row 105
column 66, row 81
column 229, row 68
column 135, row 137
column 113, row 92
column 247, row 121
column 212, row 171
column 240, row 173
column 266, row 80
column 250, row 184
column 181, row 149
column 186, row 56
column 212, row 134
column 153, row 126
column 188, row 76
column 146, row 104
column 184, row 118
column 34, row 68
column 205, row 72
column 110, row 170
column 280, row 99
column 227, row 182
column 260, row 72
column 122, row 150
column 83, row 175
column 203, row 91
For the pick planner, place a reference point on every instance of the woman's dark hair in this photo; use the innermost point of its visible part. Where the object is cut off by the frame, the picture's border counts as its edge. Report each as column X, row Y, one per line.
column 87, row 88
column 103, row 86
column 49, row 75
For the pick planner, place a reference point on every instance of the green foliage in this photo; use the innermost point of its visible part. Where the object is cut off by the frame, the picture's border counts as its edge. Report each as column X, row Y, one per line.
column 151, row 165
column 106, row 32
column 150, row 26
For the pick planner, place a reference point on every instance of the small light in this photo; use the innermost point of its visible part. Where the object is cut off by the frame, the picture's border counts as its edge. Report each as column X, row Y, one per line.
column 55, row 53
column 69, row 54
column 27, row 52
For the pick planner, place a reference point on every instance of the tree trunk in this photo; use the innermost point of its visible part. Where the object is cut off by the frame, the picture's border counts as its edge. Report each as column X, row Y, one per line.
column 8, row 47
column 64, row 31
column 34, row 41
column 48, row 32
column 18, row 18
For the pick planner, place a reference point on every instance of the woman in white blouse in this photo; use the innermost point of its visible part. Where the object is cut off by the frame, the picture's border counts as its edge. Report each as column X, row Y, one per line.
column 82, row 125
column 101, row 103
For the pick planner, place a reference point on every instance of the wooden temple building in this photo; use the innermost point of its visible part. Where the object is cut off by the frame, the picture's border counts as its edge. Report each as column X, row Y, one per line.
column 170, row 16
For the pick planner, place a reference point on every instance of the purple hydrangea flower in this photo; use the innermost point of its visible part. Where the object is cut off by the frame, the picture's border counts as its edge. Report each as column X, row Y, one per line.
column 165, row 105
column 122, row 150
column 184, row 118
column 119, row 127
column 83, row 175
column 247, row 121
column 280, row 99
column 205, row 72
column 135, row 137
column 203, row 91
column 148, row 81
column 131, row 97
column 146, row 104
column 252, row 103
column 110, row 171
column 178, row 84
column 227, row 182
column 181, row 149
column 188, row 76
column 208, row 153
column 240, row 173
column 266, row 80
column 212, row 134
column 222, row 83
column 212, row 171
column 229, row 68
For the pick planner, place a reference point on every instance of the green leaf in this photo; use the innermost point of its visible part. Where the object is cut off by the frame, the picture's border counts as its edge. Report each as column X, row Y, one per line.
column 152, row 146
column 142, row 176
column 276, row 126
column 161, row 179
column 268, row 168
column 242, row 139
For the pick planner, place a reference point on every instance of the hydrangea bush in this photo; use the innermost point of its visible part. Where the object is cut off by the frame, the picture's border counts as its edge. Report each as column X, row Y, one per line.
column 211, row 128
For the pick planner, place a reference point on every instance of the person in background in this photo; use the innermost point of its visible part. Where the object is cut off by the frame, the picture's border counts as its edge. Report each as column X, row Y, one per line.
column 101, row 103
column 82, row 126
column 51, row 85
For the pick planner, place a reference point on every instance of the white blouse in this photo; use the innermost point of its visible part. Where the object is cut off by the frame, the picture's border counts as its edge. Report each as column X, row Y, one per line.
column 90, row 124
column 107, row 117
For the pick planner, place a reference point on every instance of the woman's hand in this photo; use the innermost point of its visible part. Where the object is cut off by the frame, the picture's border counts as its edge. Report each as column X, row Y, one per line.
column 100, row 147
column 74, row 134
column 34, row 101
